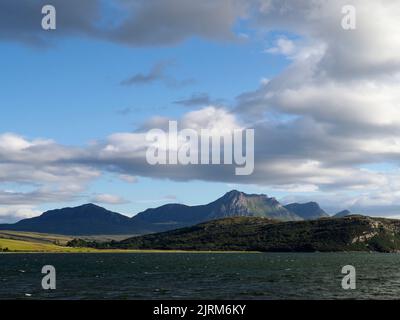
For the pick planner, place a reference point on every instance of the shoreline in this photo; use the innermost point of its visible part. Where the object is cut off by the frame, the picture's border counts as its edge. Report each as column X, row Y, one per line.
column 121, row 251
column 125, row 251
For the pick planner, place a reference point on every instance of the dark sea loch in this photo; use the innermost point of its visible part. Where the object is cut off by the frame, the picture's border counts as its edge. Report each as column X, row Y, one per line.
column 200, row 276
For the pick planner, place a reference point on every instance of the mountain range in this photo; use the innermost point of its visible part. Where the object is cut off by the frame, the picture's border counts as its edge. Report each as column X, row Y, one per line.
column 90, row 219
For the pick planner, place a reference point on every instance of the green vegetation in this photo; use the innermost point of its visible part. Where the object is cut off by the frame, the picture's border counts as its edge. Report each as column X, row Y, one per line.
column 353, row 233
column 84, row 243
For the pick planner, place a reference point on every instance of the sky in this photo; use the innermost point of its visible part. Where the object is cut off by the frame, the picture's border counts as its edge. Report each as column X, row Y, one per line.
column 76, row 102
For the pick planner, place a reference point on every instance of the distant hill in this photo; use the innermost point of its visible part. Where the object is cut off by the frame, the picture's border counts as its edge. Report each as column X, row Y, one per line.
column 342, row 214
column 307, row 211
column 87, row 219
column 353, row 233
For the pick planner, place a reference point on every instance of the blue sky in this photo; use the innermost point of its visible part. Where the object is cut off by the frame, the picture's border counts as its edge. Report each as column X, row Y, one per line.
column 325, row 117
column 78, row 80
column 71, row 92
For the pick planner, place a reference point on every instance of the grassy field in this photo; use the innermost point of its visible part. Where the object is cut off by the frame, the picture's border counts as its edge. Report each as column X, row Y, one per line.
column 35, row 237
column 17, row 241
column 21, row 241
column 30, row 246
column 55, row 238
column 18, row 246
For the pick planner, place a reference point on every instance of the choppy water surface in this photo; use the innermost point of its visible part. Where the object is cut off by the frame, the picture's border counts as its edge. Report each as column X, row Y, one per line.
column 200, row 276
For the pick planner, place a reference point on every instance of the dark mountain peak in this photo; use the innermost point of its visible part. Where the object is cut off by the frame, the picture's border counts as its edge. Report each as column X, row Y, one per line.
column 308, row 210
column 88, row 208
column 86, row 219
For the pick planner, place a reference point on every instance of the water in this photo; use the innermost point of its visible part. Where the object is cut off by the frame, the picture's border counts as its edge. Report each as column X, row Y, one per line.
column 200, row 276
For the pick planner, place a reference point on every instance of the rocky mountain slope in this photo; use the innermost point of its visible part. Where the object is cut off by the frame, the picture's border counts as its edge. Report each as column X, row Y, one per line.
column 233, row 203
